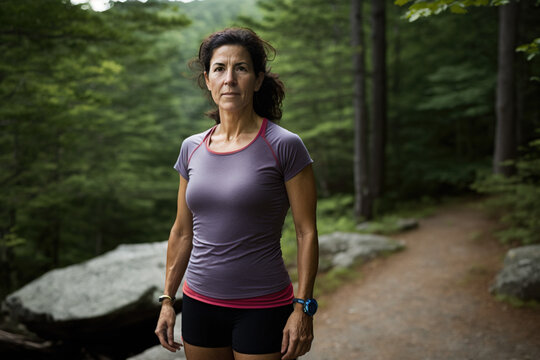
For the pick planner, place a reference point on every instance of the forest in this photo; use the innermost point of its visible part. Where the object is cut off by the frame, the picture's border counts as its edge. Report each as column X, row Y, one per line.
column 400, row 104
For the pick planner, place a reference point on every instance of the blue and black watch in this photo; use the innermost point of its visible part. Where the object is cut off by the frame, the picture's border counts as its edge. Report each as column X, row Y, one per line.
column 309, row 306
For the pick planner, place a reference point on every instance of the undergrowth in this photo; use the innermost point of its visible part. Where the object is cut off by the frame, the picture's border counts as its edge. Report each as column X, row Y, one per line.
column 332, row 280
column 517, row 303
column 336, row 214
column 515, row 198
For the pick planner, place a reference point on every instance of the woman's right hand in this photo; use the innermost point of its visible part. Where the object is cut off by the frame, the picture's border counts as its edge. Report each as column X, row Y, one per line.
column 178, row 253
column 165, row 327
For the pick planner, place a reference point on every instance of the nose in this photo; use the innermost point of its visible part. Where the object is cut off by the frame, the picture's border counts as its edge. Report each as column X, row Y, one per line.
column 230, row 79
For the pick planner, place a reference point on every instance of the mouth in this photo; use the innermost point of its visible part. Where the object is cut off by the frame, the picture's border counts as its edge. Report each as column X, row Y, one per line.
column 230, row 94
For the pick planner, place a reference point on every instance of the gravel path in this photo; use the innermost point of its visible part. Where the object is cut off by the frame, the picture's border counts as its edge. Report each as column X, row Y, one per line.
column 430, row 301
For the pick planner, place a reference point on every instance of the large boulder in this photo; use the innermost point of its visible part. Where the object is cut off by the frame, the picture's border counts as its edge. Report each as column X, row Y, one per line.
column 341, row 249
column 111, row 299
column 520, row 276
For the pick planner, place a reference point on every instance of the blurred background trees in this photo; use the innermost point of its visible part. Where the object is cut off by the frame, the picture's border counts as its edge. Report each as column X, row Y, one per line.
column 94, row 106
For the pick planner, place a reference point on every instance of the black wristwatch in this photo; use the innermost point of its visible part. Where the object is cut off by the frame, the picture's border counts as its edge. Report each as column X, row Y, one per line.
column 309, row 306
column 167, row 297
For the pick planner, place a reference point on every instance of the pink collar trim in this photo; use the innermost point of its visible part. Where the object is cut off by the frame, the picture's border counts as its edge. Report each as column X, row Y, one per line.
column 261, row 133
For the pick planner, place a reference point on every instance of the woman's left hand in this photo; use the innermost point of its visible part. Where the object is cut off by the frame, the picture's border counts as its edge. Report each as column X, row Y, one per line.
column 297, row 335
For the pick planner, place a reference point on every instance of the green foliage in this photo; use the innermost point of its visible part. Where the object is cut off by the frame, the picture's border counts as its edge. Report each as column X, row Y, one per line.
column 93, row 108
column 316, row 66
column 386, row 225
column 333, row 279
column 78, row 135
column 441, row 104
column 314, row 61
column 441, row 82
column 11, row 240
column 425, row 8
column 288, row 241
column 531, row 49
column 517, row 197
column 333, row 214
column 461, row 87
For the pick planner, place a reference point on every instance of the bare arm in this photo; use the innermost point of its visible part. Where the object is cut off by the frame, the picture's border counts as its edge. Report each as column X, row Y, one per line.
column 298, row 333
column 178, row 252
column 180, row 243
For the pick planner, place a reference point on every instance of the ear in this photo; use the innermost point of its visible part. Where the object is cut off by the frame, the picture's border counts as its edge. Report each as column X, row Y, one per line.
column 259, row 81
column 207, row 81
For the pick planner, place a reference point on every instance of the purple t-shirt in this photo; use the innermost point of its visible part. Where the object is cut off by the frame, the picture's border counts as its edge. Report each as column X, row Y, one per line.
column 239, row 201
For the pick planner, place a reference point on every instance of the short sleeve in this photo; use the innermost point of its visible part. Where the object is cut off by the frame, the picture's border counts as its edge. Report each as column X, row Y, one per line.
column 189, row 146
column 293, row 156
column 181, row 164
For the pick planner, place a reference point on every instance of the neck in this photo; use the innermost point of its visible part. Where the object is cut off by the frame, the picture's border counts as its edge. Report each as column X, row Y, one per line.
column 233, row 124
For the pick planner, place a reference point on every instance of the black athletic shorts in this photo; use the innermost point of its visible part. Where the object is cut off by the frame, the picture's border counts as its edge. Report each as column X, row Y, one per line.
column 247, row 331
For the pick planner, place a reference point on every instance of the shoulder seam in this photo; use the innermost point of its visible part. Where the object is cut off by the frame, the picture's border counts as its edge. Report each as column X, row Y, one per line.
column 273, row 153
column 200, row 143
column 263, row 135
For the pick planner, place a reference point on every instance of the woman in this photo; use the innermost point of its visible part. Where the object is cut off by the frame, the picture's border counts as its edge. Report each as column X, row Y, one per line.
column 237, row 181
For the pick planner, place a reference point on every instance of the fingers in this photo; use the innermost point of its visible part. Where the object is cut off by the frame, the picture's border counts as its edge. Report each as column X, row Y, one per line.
column 285, row 341
column 295, row 343
column 163, row 340
column 166, row 343
column 170, row 334
column 291, row 341
column 296, row 347
column 165, row 334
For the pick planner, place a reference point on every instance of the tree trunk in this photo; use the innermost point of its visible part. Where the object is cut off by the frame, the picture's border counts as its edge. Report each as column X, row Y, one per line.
column 394, row 131
column 362, row 200
column 378, row 109
column 522, row 77
column 8, row 275
column 505, row 133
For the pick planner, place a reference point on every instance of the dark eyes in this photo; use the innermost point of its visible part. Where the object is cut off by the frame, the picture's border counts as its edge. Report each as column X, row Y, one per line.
column 238, row 68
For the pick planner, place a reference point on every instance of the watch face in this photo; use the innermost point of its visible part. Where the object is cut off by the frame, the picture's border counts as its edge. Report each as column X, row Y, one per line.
column 311, row 307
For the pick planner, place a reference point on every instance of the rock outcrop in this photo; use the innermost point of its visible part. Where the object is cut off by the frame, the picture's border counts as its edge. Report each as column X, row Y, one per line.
column 520, row 276
column 341, row 249
column 108, row 306
column 111, row 299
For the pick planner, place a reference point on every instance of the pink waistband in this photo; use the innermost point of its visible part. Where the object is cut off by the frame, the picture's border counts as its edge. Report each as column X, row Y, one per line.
column 280, row 298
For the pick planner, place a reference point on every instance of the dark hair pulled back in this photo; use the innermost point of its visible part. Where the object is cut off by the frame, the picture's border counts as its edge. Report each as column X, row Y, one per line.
column 268, row 100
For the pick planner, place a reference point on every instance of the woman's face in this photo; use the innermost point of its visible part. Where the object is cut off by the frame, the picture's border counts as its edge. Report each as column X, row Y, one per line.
column 231, row 78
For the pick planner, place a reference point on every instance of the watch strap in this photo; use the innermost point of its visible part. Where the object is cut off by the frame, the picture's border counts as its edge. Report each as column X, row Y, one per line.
column 165, row 297
column 309, row 306
column 300, row 301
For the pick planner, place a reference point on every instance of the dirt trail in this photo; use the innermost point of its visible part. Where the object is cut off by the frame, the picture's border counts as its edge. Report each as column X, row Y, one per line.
column 430, row 301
